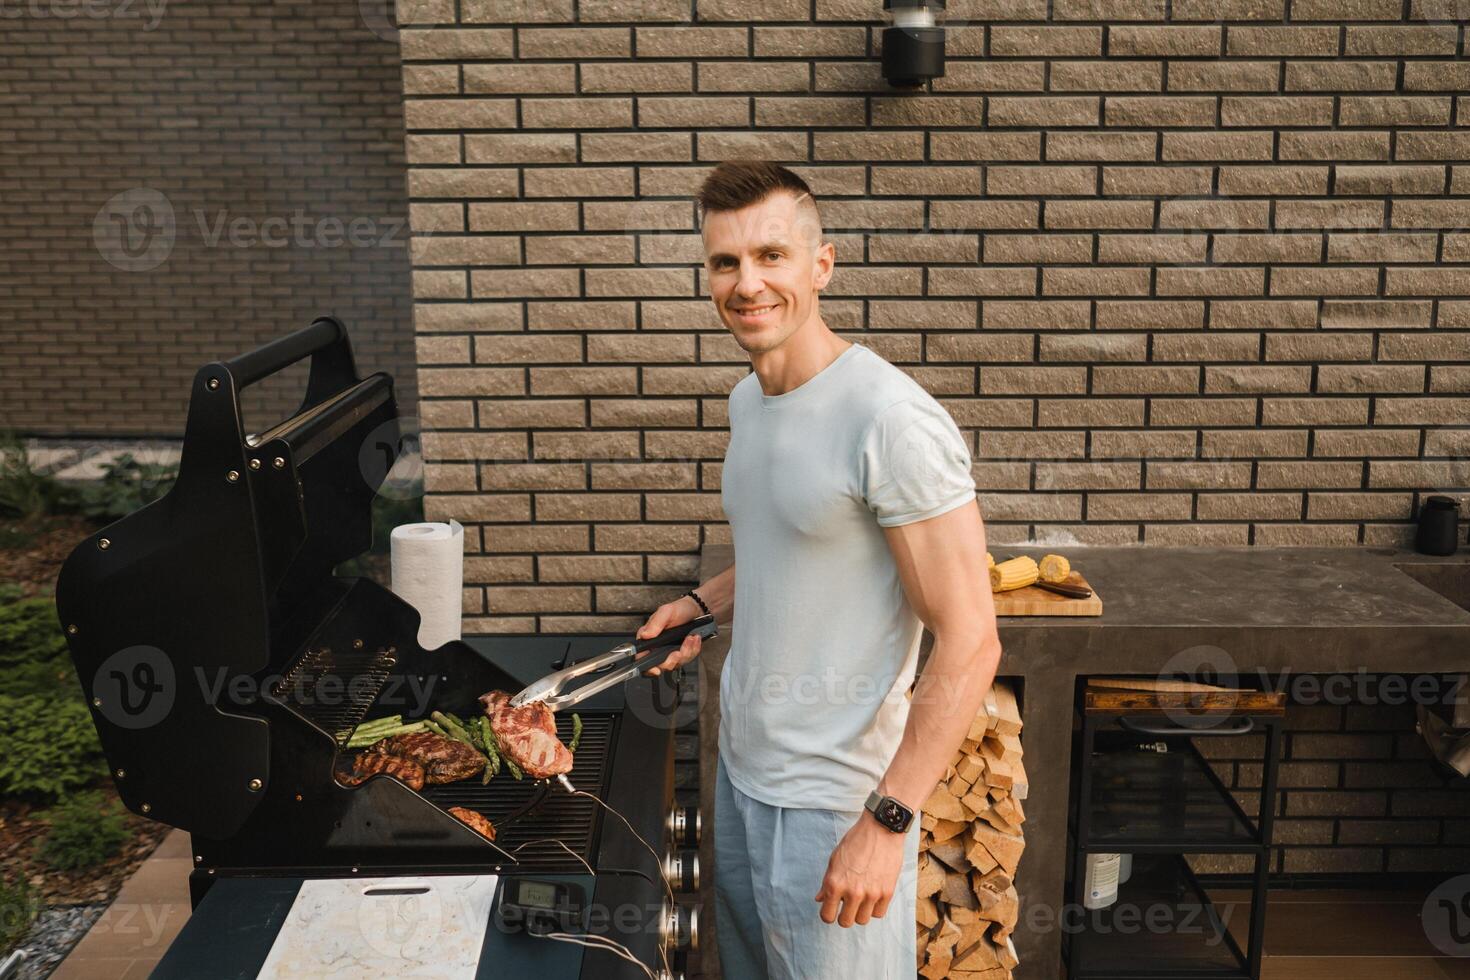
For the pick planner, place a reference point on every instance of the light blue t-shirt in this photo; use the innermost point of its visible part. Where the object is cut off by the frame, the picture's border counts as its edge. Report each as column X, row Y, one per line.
column 824, row 643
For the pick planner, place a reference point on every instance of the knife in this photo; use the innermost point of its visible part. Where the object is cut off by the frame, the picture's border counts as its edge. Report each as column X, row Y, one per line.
column 1072, row 591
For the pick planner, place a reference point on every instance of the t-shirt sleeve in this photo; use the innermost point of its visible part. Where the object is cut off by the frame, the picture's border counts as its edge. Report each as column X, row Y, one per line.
column 915, row 464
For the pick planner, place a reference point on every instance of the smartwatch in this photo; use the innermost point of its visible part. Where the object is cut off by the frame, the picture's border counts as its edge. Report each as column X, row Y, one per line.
column 889, row 812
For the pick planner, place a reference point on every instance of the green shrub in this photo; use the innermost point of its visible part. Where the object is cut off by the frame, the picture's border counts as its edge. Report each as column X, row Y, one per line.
column 24, row 493
column 50, row 744
column 126, row 485
column 17, row 911
column 85, row 831
column 30, row 632
column 33, row 654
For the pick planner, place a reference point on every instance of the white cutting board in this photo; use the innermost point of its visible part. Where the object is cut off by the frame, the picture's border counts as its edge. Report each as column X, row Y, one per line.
column 358, row 928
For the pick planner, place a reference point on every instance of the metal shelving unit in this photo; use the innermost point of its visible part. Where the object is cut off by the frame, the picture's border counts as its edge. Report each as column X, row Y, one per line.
column 1142, row 788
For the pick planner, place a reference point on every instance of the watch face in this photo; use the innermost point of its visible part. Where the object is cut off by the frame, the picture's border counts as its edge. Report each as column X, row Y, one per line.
column 892, row 813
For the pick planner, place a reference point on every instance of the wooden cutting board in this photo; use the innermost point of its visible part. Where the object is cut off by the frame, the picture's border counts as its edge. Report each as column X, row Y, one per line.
column 1031, row 601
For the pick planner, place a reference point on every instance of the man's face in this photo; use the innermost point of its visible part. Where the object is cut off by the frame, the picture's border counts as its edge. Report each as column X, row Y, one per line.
column 766, row 267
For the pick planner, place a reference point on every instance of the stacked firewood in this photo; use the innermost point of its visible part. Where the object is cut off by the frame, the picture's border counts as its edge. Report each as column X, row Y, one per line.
column 970, row 843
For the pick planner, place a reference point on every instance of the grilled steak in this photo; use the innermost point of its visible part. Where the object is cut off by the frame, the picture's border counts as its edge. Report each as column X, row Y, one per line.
column 475, row 821
column 527, row 735
column 444, row 760
column 372, row 763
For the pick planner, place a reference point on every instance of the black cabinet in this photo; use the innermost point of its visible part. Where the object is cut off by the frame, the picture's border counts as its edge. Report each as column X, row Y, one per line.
column 1145, row 800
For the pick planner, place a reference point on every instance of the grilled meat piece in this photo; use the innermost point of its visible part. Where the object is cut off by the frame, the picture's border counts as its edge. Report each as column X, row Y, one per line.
column 475, row 821
column 527, row 735
column 372, row 763
column 445, row 760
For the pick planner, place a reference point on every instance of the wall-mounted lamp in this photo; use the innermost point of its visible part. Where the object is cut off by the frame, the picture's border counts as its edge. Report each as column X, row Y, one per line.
column 913, row 46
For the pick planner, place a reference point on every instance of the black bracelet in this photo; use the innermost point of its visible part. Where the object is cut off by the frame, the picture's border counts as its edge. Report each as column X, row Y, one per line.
column 695, row 596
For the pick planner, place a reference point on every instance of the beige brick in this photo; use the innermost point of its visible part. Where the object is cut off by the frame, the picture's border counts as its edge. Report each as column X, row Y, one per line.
column 809, row 42
column 1141, row 444
column 1202, row 411
column 523, row 283
column 1340, row 76
column 518, row 79
column 982, row 214
column 1106, row 76
column 1220, row 10
column 1095, row 282
column 1223, row 76
column 605, row 113
column 439, row 44
column 533, row 476
column 516, row 11
column 1381, row 247
column 1286, row 474
column 1207, row 347
column 1274, row 181
column 1038, row 41
column 520, row 148
column 938, row 111
column 968, row 147
column 1138, row 506
column 1165, row 42
column 1088, row 476
column 1064, row 146
column 648, row 413
column 1231, row 249
column 926, row 181
column 766, row 76
column 1253, row 443
column 1091, row 348
column 1115, row 379
column 1256, row 379
column 622, row 76
column 998, row 314
column 1334, row 145
column 647, row 537
column 1033, row 112
column 1198, row 476
column 1260, row 110
column 1315, row 347
column 981, row 282
column 428, row 284
column 1293, row 41
column 1315, row 411
column 692, row 42
column 1340, row 378
column 1159, row 110
column 1155, row 181
column 508, row 446
column 459, row 113
column 1099, row 214
column 1217, row 146
column 1365, row 41
column 1382, row 110
column 1150, row 314
column 1030, row 181
column 1211, row 214
column 1304, row 281
column 455, row 250
column 590, row 568
column 1254, row 506
column 632, row 10
column 536, row 538
column 1355, row 314
column 531, row 414
column 588, row 506
column 1210, row 281
column 477, row 508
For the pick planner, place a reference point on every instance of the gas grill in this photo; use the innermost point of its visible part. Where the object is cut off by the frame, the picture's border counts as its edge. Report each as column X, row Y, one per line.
column 226, row 665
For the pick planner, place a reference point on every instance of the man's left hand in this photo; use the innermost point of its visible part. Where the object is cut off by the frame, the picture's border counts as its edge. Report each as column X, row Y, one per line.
column 861, row 874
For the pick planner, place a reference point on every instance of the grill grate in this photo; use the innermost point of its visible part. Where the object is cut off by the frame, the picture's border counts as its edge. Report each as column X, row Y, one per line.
column 527, row 810
column 356, row 678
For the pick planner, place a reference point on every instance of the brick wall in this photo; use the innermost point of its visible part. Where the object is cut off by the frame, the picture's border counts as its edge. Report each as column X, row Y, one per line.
column 251, row 121
column 1358, row 791
column 1194, row 274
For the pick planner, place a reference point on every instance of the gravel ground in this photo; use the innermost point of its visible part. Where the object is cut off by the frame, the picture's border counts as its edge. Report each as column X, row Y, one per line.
column 55, row 932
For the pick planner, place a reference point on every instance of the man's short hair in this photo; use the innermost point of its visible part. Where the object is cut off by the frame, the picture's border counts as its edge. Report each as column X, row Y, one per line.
column 737, row 184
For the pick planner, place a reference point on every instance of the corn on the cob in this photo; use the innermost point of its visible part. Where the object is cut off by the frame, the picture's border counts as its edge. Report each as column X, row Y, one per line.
column 1013, row 573
column 1055, row 568
column 989, row 560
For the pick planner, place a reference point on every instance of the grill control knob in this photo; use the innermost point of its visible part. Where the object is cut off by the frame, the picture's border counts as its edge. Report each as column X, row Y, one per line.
column 684, row 826
column 680, row 927
column 681, row 870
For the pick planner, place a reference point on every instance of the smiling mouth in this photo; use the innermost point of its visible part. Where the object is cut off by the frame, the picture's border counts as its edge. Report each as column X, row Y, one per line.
column 755, row 311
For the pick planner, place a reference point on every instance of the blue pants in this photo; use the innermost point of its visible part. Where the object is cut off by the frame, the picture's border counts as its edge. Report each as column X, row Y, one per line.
column 769, row 864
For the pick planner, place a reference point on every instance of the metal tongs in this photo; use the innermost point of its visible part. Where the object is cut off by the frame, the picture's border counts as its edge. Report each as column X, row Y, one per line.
column 549, row 688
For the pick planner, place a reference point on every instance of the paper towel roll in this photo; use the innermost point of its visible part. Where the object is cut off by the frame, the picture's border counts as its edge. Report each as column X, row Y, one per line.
column 428, row 572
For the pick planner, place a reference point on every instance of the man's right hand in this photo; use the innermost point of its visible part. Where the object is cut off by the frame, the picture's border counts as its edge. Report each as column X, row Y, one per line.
column 667, row 616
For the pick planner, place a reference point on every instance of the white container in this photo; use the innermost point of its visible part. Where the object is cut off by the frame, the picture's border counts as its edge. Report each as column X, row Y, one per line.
column 1101, row 887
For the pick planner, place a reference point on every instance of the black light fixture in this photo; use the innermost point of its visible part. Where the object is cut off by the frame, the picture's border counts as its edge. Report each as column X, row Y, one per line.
column 913, row 44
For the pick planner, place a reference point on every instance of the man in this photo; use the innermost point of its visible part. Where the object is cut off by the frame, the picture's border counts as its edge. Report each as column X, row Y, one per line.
column 853, row 511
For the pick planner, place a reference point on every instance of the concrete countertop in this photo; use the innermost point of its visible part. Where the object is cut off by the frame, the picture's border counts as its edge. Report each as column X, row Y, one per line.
column 1266, row 612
